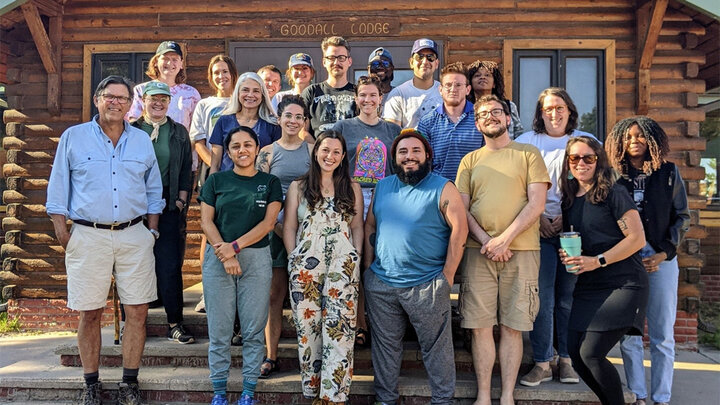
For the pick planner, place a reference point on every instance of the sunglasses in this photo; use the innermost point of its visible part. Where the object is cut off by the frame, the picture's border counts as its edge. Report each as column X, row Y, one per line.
column 431, row 57
column 588, row 159
column 379, row 64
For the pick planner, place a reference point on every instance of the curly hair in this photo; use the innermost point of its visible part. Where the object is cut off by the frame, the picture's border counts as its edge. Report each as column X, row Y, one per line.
column 498, row 81
column 153, row 71
column 292, row 99
column 603, row 178
column 657, row 144
column 311, row 185
column 539, row 123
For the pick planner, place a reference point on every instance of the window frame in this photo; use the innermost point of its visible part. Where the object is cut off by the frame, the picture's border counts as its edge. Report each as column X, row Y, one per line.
column 605, row 45
column 89, row 50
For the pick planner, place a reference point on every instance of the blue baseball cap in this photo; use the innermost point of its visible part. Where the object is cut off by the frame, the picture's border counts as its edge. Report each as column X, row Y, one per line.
column 169, row 46
column 424, row 43
column 300, row 59
column 379, row 52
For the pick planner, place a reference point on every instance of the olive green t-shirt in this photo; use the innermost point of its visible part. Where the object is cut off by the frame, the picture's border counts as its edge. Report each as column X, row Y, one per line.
column 162, row 149
column 240, row 202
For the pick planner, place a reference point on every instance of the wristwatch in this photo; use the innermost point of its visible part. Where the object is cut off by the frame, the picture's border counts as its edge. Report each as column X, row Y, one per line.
column 155, row 233
column 601, row 259
column 183, row 202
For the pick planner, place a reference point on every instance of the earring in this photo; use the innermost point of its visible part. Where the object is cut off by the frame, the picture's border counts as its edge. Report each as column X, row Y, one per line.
column 570, row 176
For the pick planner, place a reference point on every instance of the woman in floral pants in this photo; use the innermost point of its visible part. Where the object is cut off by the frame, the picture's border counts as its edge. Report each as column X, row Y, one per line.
column 324, row 237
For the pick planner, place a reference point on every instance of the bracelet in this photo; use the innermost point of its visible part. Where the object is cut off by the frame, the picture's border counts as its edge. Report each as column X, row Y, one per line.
column 184, row 203
column 235, row 246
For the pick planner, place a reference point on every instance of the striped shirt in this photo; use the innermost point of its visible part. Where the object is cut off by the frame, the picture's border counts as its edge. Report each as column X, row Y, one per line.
column 450, row 141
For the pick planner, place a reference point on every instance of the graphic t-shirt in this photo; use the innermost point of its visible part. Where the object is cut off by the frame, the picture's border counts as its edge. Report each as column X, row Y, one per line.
column 638, row 179
column 205, row 116
column 406, row 103
column 328, row 105
column 368, row 149
column 240, row 202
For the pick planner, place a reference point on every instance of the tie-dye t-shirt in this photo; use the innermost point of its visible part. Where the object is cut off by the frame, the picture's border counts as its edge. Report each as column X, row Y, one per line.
column 368, row 149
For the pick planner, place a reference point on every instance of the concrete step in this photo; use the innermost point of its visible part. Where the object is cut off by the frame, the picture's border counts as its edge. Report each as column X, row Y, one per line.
column 25, row 381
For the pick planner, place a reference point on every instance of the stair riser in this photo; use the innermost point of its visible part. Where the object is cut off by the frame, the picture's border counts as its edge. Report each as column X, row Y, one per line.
column 165, row 396
column 236, row 362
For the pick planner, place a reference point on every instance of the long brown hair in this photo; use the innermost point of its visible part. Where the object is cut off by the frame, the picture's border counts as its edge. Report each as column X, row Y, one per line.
column 603, row 178
column 539, row 123
column 154, row 72
column 657, row 144
column 310, row 181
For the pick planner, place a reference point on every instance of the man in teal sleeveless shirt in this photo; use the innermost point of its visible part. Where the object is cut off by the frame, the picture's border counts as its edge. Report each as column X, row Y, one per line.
column 415, row 230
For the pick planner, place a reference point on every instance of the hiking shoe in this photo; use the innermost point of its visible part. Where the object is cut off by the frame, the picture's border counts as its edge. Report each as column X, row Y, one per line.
column 129, row 394
column 92, row 394
column 639, row 401
column 219, row 400
column 246, row 400
column 567, row 374
column 536, row 376
column 200, row 307
column 179, row 334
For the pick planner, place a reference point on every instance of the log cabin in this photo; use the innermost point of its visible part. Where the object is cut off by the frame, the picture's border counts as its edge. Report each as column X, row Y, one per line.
column 617, row 58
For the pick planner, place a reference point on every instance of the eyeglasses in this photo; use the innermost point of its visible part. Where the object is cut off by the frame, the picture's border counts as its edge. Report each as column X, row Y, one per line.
column 588, row 159
column 495, row 112
column 431, row 57
column 332, row 59
column 163, row 100
column 109, row 98
column 289, row 116
column 380, row 64
column 558, row 108
column 450, row 86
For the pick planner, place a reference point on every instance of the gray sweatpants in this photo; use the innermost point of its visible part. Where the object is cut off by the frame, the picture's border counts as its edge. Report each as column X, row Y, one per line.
column 427, row 307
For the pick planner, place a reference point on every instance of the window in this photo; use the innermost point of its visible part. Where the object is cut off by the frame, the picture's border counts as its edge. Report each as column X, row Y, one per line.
column 278, row 53
column 585, row 68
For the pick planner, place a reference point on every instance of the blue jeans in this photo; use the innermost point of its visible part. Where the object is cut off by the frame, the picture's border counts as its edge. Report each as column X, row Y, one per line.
column 661, row 311
column 249, row 293
column 556, row 289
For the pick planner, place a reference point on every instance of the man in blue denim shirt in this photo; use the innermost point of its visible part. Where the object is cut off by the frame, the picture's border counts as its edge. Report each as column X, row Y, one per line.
column 105, row 178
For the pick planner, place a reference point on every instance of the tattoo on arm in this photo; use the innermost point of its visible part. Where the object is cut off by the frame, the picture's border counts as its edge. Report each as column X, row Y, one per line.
column 262, row 162
column 444, row 205
column 622, row 223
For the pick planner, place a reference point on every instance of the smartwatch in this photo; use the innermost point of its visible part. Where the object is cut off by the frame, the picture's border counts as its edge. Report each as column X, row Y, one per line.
column 155, row 233
column 601, row 259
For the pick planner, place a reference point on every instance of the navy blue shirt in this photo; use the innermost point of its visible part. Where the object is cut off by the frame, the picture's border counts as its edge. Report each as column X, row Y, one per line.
column 267, row 133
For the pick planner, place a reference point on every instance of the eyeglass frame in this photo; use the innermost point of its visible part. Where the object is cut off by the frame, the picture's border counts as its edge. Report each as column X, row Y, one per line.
column 575, row 159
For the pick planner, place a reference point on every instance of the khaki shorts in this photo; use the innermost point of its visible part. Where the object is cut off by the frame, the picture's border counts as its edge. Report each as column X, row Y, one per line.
column 492, row 291
column 93, row 256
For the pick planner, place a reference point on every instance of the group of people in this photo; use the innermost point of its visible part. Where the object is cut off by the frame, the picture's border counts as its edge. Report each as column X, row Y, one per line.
column 361, row 202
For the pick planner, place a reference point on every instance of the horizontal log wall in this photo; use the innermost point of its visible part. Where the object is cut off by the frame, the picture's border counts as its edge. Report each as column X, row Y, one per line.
column 34, row 259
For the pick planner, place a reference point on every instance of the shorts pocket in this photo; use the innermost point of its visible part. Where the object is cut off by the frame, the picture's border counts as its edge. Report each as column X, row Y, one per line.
column 533, row 293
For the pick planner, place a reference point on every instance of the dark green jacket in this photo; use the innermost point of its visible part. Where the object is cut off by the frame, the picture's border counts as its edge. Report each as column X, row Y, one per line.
column 180, row 175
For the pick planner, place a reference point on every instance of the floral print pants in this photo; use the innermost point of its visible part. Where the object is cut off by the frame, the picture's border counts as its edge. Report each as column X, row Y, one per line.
column 324, row 275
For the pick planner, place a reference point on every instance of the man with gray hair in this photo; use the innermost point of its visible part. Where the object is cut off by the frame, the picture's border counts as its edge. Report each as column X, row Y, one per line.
column 105, row 178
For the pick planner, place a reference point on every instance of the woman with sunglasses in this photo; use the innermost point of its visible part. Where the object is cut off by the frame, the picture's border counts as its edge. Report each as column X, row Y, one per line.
column 612, row 286
column 556, row 120
column 486, row 78
column 369, row 139
column 637, row 148
column 238, row 208
column 323, row 231
column 287, row 158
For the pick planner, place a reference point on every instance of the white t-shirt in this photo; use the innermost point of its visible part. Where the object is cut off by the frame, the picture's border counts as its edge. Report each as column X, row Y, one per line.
column 552, row 150
column 406, row 103
column 279, row 96
column 206, row 113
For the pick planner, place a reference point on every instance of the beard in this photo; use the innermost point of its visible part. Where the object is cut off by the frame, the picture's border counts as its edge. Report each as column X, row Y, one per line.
column 496, row 132
column 412, row 177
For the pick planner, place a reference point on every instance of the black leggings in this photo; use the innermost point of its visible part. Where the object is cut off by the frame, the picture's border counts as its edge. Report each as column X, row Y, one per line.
column 588, row 351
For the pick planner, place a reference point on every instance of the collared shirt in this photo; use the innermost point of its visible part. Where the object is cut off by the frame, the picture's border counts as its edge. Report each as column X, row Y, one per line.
column 94, row 181
column 450, row 141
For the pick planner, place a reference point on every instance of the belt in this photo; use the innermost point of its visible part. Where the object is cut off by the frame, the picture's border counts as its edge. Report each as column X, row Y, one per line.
column 112, row 227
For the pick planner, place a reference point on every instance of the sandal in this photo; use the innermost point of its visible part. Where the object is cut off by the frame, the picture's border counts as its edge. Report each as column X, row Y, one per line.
column 266, row 371
column 361, row 338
